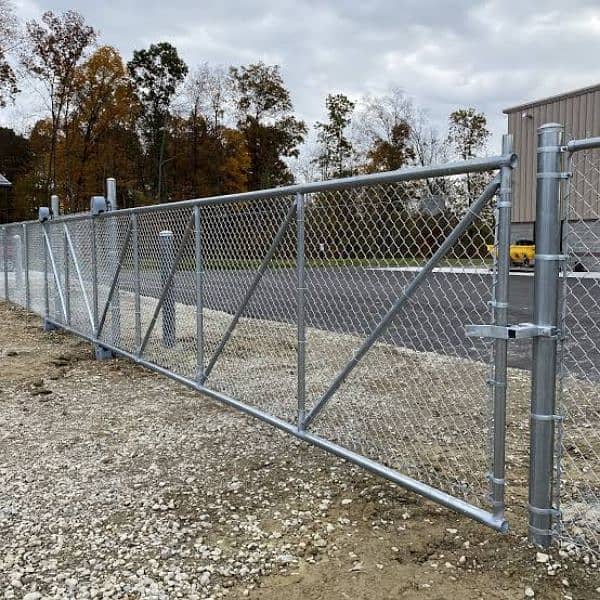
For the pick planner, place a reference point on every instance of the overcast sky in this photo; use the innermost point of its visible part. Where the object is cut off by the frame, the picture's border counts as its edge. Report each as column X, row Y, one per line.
column 444, row 53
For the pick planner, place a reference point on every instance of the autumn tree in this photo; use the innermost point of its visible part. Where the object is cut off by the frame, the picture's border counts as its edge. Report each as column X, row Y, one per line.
column 264, row 116
column 335, row 147
column 102, row 103
column 156, row 73
column 54, row 47
column 382, row 131
column 9, row 34
column 468, row 134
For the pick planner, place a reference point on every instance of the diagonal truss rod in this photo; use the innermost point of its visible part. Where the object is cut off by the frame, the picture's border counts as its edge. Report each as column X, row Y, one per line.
column 115, row 279
column 169, row 281
column 55, row 273
column 79, row 276
column 252, row 288
column 406, row 294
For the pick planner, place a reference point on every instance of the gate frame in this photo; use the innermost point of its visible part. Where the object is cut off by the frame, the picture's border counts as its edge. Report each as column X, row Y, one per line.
column 503, row 163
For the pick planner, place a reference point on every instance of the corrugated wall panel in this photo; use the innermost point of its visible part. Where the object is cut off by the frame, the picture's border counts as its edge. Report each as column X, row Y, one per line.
column 580, row 116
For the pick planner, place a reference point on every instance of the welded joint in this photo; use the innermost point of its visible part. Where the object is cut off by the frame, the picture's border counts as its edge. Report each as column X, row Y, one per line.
column 504, row 204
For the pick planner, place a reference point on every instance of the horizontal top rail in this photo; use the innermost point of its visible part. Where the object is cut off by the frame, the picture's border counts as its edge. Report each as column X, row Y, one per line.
column 586, row 144
column 476, row 165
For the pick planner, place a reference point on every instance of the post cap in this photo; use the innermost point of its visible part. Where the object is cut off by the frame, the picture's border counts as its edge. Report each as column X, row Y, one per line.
column 44, row 214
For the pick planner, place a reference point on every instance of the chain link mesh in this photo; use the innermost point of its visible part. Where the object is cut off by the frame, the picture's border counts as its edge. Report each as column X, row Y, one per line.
column 211, row 293
column 578, row 442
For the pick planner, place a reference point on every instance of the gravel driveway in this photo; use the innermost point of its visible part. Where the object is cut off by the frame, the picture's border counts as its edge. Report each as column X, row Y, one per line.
column 117, row 483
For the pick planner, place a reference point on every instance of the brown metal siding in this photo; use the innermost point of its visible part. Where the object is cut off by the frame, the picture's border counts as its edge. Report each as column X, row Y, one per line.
column 580, row 116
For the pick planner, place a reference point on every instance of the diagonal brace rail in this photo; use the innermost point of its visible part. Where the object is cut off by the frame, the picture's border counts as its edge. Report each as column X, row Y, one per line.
column 406, row 294
column 115, row 279
column 55, row 274
column 251, row 289
column 168, row 282
column 79, row 275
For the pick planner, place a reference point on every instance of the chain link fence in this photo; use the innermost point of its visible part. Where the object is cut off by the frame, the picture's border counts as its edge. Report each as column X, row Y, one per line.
column 578, row 445
column 334, row 311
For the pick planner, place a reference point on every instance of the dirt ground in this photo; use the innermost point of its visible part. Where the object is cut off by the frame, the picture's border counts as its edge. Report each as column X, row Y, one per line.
column 118, row 483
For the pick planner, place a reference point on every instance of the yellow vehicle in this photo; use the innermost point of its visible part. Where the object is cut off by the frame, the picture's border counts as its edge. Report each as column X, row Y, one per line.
column 522, row 252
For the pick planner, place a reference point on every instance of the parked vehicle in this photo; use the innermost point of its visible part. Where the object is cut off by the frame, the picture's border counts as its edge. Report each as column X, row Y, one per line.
column 522, row 253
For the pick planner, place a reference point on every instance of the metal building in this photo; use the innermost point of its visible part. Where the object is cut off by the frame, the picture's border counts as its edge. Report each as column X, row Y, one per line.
column 579, row 113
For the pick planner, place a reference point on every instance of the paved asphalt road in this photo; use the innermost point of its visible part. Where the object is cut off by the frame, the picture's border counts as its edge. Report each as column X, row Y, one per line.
column 353, row 300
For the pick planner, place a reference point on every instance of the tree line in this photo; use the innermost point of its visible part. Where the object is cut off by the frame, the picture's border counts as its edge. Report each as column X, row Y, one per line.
column 168, row 131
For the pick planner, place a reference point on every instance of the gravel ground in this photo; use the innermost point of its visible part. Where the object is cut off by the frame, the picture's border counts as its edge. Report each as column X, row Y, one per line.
column 118, row 483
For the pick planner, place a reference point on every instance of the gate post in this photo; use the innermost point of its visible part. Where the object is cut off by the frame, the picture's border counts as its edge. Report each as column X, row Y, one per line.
column 500, row 304
column 301, row 302
column 545, row 314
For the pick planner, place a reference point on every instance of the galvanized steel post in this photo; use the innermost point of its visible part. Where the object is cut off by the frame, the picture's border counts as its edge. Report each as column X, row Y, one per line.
column 199, row 294
column 545, row 314
column 500, row 306
column 301, row 324
column 167, row 260
column 55, row 205
column 26, row 261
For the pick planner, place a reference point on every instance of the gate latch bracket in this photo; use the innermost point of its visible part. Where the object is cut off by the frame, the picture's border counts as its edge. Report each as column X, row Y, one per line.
column 511, row 332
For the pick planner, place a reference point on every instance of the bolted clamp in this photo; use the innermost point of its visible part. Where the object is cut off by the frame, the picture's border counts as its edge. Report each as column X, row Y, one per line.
column 511, row 332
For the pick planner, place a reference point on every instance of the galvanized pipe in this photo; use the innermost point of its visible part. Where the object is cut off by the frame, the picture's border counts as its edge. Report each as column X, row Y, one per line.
column 406, row 294
column 301, row 317
column 199, row 293
column 59, row 291
column 71, row 248
column 418, row 487
column 500, row 305
column 587, row 144
column 26, row 260
column 476, row 165
column 545, row 313
column 115, row 280
column 166, row 288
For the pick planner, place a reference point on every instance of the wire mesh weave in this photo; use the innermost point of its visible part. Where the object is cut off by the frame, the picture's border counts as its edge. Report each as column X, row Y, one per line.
column 578, row 446
column 211, row 293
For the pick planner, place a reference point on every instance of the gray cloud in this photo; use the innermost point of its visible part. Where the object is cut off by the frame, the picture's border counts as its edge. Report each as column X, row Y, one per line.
column 444, row 54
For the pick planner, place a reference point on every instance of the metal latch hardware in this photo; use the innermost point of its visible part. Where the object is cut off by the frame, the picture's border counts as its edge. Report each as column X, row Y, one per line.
column 511, row 332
